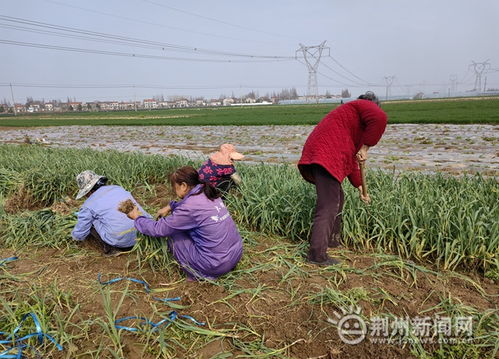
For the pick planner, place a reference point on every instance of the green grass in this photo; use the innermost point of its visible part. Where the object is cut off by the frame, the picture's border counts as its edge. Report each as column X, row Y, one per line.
column 481, row 111
column 449, row 221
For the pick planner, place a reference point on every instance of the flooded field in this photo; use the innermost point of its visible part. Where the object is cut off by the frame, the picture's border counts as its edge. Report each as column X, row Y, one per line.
column 451, row 148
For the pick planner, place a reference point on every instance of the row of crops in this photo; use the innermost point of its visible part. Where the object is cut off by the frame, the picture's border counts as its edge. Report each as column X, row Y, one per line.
column 446, row 220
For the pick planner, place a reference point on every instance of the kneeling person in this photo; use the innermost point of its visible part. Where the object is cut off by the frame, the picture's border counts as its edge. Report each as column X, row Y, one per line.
column 202, row 235
column 99, row 218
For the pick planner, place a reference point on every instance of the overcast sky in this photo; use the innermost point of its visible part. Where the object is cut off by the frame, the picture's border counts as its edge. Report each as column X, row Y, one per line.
column 419, row 42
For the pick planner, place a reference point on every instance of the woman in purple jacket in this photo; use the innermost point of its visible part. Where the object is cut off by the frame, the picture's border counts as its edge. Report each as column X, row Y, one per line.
column 202, row 235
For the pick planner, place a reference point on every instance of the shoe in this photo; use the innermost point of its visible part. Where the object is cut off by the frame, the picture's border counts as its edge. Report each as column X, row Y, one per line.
column 328, row 262
column 335, row 246
column 114, row 253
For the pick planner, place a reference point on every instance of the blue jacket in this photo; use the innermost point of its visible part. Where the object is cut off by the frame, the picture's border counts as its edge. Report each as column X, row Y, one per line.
column 100, row 211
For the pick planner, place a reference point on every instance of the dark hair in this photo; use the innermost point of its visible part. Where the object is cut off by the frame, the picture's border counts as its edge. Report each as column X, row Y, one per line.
column 101, row 182
column 370, row 96
column 190, row 176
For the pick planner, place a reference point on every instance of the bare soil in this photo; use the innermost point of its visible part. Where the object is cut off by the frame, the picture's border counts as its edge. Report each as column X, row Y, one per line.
column 277, row 307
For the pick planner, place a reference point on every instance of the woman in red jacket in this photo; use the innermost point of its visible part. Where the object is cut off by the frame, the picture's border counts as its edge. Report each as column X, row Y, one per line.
column 331, row 153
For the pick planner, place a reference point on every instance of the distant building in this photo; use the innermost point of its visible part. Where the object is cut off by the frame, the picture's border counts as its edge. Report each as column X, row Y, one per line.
column 124, row 106
column 164, row 104
column 20, row 107
column 150, row 104
column 181, row 103
column 228, row 101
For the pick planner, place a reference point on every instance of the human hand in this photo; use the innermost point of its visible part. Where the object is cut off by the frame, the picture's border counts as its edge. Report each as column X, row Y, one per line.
column 362, row 154
column 134, row 213
column 163, row 212
column 366, row 199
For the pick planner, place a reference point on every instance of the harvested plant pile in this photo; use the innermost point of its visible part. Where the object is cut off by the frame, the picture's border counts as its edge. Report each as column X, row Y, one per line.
column 126, row 206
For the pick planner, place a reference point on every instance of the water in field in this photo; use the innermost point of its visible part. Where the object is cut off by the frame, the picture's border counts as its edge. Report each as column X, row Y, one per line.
column 450, row 148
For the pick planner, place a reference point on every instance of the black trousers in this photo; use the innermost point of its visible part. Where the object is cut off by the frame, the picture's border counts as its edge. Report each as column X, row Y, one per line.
column 326, row 229
column 106, row 248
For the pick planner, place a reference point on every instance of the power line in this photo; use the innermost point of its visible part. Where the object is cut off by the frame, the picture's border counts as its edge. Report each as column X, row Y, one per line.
column 134, row 86
column 124, row 54
column 213, row 19
column 341, row 75
column 347, row 70
column 134, row 41
column 121, row 17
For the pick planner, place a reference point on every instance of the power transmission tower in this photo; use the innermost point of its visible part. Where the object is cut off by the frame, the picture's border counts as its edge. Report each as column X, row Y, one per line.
column 453, row 85
column 312, row 56
column 479, row 68
column 13, row 101
column 389, row 83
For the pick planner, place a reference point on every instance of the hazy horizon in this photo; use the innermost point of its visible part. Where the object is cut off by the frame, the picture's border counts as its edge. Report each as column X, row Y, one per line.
column 421, row 43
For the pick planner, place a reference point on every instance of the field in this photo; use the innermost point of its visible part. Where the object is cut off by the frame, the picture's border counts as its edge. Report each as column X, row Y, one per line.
column 428, row 246
column 457, row 111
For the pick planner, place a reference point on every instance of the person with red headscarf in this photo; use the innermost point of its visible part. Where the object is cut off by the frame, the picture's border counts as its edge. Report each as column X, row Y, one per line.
column 332, row 152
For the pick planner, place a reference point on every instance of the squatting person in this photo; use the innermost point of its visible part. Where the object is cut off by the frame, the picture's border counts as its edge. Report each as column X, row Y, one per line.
column 219, row 169
column 202, row 235
column 331, row 153
column 99, row 218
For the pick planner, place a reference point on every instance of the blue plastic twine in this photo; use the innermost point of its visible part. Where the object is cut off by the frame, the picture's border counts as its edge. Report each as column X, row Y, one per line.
column 156, row 326
column 12, row 338
column 6, row 260
column 135, row 280
column 146, row 286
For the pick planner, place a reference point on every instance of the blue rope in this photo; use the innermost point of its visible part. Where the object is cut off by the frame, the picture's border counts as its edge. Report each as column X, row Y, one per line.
column 146, row 286
column 135, row 280
column 156, row 326
column 144, row 321
column 12, row 338
column 6, row 260
column 171, row 317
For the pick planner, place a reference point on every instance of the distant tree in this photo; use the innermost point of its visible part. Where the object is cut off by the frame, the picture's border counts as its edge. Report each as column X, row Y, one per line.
column 80, row 107
column 418, row 96
column 328, row 94
column 97, row 105
column 293, row 94
column 345, row 93
column 89, row 107
column 70, row 108
column 2, row 108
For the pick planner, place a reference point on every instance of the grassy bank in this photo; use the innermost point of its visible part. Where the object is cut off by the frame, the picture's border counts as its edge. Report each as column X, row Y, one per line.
column 479, row 111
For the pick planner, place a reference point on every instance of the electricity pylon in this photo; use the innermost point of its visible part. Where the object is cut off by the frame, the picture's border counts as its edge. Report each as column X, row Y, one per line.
column 453, row 85
column 479, row 68
column 389, row 83
column 312, row 56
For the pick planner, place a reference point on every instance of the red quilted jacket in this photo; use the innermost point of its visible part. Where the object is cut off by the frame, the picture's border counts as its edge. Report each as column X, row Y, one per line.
column 337, row 138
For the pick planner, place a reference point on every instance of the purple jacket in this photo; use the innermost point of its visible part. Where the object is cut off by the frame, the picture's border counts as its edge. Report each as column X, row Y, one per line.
column 216, row 243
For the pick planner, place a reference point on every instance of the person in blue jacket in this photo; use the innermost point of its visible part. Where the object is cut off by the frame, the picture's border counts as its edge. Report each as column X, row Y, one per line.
column 99, row 218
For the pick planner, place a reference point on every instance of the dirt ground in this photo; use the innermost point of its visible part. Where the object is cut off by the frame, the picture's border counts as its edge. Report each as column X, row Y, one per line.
column 269, row 299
